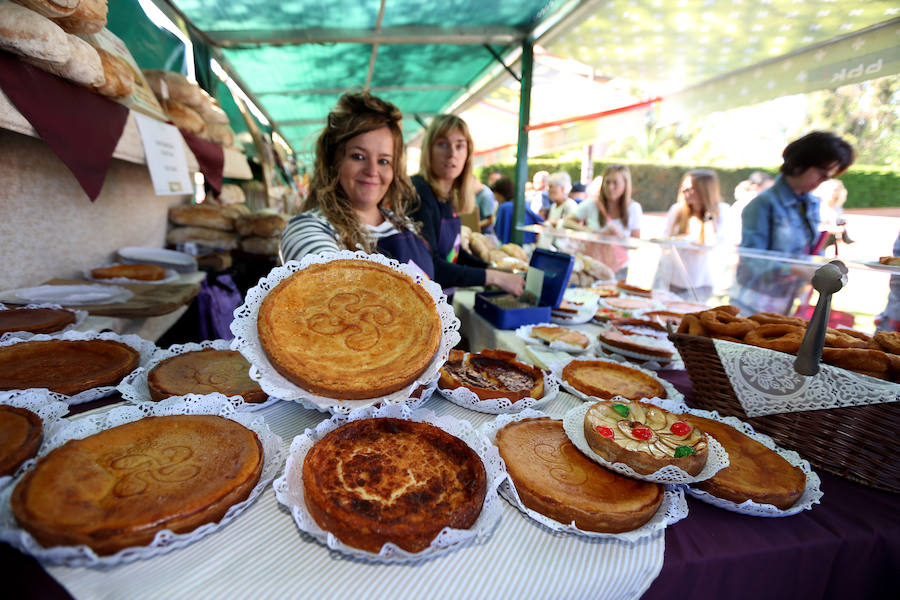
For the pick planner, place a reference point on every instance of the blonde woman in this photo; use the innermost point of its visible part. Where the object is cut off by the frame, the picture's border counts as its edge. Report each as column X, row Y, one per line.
column 445, row 189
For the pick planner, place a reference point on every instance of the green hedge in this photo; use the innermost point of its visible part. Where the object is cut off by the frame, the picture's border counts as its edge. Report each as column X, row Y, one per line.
column 655, row 185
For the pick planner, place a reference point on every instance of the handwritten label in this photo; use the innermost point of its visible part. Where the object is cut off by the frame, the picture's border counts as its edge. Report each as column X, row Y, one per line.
column 165, row 156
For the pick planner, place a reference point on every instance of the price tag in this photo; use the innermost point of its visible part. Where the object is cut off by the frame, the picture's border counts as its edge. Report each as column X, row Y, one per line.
column 166, row 160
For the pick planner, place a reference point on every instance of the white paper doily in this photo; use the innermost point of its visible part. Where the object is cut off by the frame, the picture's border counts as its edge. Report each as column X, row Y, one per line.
column 672, row 509
column 811, row 493
column 289, row 487
column 717, row 458
column 69, row 295
column 422, row 396
column 49, row 406
column 557, row 370
column 145, row 347
column 80, row 316
column 579, row 318
column 463, row 396
column 169, row 276
column 246, row 336
column 165, row 540
column 524, row 333
column 134, row 387
column 766, row 383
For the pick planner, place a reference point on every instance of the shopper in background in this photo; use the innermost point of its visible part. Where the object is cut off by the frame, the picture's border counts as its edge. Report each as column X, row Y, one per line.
column 486, row 204
column 578, row 193
column 504, row 192
column 539, row 196
column 444, row 185
column 561, row 205
column 359, row 193
column 700, row 217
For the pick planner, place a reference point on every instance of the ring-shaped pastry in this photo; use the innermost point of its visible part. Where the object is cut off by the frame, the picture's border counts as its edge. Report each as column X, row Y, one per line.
column 720, row 322
column 691, row 325
column 858, row 359
column 768, row 318
column 776, row 336
column 837, row 339
column 888, row 340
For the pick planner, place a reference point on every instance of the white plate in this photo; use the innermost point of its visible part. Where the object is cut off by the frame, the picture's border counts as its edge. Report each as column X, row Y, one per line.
column 878, row 265
column 68, row 295
column 181, row 262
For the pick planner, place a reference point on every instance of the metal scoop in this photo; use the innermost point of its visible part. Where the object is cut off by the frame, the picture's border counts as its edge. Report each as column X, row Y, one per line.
column 827, row 280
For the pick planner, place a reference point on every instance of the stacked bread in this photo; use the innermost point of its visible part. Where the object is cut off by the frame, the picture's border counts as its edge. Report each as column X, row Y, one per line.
column 190, row 107
column 506, row 257
column 46, row 34
column 260, row 232
column 586, row 270
column 205, row 225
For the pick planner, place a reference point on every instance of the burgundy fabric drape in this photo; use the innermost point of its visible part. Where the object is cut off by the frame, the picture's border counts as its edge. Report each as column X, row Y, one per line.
column 210, row 157
column 80, row 126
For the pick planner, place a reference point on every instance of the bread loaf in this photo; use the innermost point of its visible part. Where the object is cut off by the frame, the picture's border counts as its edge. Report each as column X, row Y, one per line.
column 184, row 116
column 267, row 246
column 50, row 8
column 175, row 86
column 211, row 112
column 260, row 224
column 83, row 67
column 89, row 17
column 234, row 211
column 203, row 236
column 201, row 215
column 231, row 194
column 119, row 78
column 26, row 33
column 220, row 134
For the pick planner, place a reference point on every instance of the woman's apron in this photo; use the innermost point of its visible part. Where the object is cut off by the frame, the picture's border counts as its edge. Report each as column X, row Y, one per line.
column 407, row 247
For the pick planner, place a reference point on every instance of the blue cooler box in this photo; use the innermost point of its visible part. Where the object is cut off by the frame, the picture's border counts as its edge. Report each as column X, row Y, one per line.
column 557, row 268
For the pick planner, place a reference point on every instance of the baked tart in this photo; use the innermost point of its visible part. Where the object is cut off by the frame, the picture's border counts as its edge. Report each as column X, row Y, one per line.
column 603, row 379
column 629, row 303
column 755, row 472
column 349, row 329
column 644, row 437
column 65, row 366
column 551, row 333
column 554, row 478
column 492, row 374
column 204, row 372
column 139, row 272
column 637, row 343
column 21, row 431
column 381, row 480
column 119, row 487
column 35, row 320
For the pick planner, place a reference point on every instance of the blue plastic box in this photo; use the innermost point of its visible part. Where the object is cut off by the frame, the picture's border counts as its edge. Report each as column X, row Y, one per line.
column 557, row 268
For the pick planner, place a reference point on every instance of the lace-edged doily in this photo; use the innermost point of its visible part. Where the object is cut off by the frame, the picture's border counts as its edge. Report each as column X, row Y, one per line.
column 170, row 276
column 246, row 336
column 672, row 509
column 289, row 487
column 524, row 333
column 466, row 398
column 573, row 423
column 145, row 347
column 556, row 369
column 80, row 316
column 811, row 493
column 650, row 363
column 165, row 541
column 421, row 396
column 49, row 406
column 766, row 383
column 134, row 387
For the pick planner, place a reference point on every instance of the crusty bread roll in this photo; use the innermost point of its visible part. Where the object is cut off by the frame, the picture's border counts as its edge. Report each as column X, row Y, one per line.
column 204, row 236
column 260, row 224
column 83, row 67
column 235, row 211
column 232, row 194
column 201, row 215
column 50, row 8
column 267, row 246
column 174, row 86
column 184, row 116
column 220, row 134
column 119, row 78
column 27, row 33
column 211, row 112
column 89, row 17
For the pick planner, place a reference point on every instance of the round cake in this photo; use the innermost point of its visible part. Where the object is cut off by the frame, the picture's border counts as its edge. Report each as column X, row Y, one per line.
column 554, row 478
column 349, row 329
column 140, row 272
column 755, row 472
column 603, row 379
column 65, row 366
column 551, row 333
column 119, row 487
column 375, row 481
column 492, row 374
column 20, row 437
column 639, row 344
column 628, row 303
column 204, row 372
column 35, row 320
column 644, row 437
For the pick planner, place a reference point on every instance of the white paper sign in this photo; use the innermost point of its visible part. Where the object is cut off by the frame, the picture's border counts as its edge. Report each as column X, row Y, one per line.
column 165, row 156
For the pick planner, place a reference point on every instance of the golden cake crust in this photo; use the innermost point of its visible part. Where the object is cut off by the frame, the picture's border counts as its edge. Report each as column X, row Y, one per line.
column 617, row 339
column 644, row 437
column 755, row 472
column 119, row 487
column 35, row 320
column 140, row 272
column 21, row 431
column 204, row 372
column 604, row 380
column 65, row 366
column 555, row 479
column 349, row 329
column 551, row 333
column 492, row 374
column 375, row 481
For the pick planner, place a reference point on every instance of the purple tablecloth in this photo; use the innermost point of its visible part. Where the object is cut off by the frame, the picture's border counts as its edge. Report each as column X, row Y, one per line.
column 846, row 547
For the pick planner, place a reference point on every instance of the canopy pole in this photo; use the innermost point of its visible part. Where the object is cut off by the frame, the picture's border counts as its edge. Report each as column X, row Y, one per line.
column 522, row 148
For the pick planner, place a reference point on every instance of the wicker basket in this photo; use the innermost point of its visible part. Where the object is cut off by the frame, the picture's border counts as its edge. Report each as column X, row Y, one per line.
column 854, row 442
